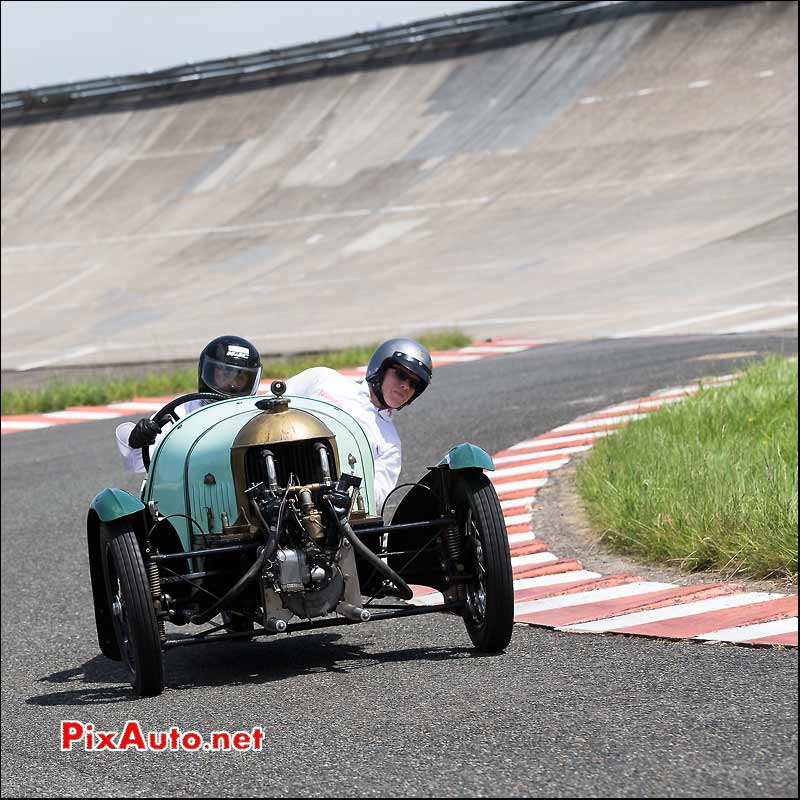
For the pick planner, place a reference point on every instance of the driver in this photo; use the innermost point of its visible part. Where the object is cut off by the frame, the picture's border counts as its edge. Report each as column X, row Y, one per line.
column 398, row 372
column 228, row 365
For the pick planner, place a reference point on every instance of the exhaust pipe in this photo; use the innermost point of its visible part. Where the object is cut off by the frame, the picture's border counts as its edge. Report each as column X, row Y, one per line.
column 353, row 612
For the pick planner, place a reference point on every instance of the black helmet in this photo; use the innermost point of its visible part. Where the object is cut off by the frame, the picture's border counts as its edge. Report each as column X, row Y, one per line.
column 406, row 353
column 229, row 365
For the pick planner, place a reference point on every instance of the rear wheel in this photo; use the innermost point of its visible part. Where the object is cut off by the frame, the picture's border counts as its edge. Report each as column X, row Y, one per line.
column 489, row 611
column 132, row 611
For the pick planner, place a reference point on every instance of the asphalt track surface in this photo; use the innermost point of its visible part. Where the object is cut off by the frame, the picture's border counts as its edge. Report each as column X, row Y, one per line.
column 402, row 707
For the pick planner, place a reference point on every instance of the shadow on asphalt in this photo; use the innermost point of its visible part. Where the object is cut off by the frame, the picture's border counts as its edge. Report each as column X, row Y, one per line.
column 236, row 664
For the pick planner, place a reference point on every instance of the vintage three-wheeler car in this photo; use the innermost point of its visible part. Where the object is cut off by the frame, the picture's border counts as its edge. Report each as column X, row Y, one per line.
column 257, row 517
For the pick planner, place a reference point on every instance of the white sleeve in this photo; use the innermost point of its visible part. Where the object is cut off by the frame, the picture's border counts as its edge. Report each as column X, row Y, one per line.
column 130, row 457
column 305, row 383
column 387, row 471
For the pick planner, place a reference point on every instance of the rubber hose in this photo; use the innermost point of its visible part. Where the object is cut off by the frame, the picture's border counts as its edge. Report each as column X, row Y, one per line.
column 236, row 589
column 384, row 569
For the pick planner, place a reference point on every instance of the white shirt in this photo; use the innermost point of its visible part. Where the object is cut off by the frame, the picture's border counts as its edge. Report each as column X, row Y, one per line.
column 354, row 398
column 131, row 457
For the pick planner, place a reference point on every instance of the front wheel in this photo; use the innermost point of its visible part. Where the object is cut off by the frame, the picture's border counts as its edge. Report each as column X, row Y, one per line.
column 132, row 610
column 489, row 611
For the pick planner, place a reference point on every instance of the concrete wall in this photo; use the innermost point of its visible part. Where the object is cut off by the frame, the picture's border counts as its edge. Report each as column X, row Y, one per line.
column 616, row 178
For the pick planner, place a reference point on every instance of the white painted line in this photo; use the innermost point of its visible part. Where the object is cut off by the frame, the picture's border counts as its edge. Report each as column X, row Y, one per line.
column 786, row 321
column 541, row 454
column 692, row 320
column 182, row 232
column 69, row 355
column 746, row 633
column 699, row 84
column 765, row 73
column 640, row 92
column 521, row 538
column 467, row 201
column 673, row 612
column 251, row 226
column 82, row 415
column 587, row 100
column 528, row 343
column 532, row 558
column 598, row 423
column 514, row 486
column 695, row 387
column 548, row 440
column 779, row 278
column 594, row 596
column 527, row 469
column 484, row 349
column 40, row 296
column 172, row 153
column 517, row 519
column 553, row 580
column 523, row 502
column 453, row 359
column 651, row 405
column 23, row 425
column 678, row 390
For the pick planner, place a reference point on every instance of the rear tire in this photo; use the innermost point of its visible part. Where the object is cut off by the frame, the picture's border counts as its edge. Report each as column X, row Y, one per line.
column 489, row 611
column 132, row 610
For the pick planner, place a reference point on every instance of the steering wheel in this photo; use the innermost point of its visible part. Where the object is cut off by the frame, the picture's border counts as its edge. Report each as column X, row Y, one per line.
column 167, row 414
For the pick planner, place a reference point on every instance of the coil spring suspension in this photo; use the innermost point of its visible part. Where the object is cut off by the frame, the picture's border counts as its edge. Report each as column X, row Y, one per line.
column 452, row 540
column 154, row 579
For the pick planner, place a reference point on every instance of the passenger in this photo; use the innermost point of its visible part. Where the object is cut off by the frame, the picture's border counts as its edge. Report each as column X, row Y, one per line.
column 398, row 372
column 228, row 365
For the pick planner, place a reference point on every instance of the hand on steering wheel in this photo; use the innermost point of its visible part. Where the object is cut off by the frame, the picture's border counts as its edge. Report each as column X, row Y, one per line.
column 167, row 414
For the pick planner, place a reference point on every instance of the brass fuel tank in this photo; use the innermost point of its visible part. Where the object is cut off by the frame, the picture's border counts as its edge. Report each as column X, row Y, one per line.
column 277, row 424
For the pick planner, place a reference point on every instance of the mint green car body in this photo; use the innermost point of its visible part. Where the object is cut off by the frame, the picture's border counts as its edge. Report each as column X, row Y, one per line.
column 200, row 445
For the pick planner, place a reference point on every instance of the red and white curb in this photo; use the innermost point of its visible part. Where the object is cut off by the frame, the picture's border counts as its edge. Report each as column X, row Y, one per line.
column 559, row 593
column 550, row 591
column 146, row 405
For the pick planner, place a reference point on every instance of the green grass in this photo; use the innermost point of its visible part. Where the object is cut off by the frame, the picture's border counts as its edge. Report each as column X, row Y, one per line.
column 57, row 395
column 708, row 483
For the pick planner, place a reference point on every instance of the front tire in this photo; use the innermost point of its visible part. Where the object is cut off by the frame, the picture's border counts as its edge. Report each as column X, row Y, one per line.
column 132, row 610
column 489, row 611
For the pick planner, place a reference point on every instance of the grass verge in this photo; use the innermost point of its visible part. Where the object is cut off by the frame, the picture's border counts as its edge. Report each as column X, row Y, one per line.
column 708, row 483
column 57, row 395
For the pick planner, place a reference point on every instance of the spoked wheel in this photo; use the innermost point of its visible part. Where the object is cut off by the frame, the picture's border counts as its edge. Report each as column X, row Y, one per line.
column 131, row 604
column 489, row 612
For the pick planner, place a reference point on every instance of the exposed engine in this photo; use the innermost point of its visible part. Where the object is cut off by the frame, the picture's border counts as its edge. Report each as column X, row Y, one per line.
column 307, row 565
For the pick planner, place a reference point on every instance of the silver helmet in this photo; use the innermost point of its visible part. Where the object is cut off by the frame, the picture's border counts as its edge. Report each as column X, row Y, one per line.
column 406, row 353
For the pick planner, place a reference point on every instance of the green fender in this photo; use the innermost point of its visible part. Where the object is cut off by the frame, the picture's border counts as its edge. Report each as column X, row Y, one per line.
column 465, row 456
column 113, row 504
column 108, row 506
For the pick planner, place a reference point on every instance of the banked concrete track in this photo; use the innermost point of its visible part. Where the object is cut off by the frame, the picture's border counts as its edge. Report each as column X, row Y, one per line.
column 637, row 174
